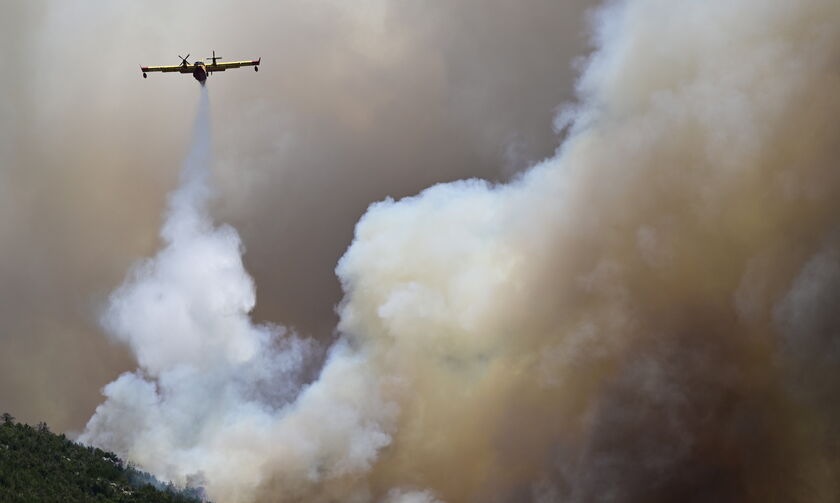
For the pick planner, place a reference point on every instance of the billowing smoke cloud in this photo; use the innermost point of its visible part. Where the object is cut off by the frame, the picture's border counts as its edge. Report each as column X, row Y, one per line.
column 211, row 402
column 647, row 316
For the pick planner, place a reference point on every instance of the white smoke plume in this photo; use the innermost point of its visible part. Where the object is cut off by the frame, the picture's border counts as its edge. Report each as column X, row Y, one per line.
column 212, row 401
column 614, row 325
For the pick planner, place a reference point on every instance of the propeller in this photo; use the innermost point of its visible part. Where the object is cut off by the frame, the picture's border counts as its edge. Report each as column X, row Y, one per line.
column 214, row 58
column 184, row 61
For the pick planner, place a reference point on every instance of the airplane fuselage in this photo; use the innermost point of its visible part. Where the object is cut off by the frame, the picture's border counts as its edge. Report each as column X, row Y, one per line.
column 200, row 72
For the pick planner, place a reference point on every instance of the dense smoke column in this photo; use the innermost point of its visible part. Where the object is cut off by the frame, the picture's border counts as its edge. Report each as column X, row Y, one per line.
column 647, row 316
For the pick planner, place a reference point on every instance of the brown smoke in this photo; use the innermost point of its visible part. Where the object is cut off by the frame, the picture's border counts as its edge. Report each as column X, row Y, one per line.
column 646, row 317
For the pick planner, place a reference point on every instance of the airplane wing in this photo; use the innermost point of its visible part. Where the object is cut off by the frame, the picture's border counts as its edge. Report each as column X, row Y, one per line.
column 220, row 67
column 173, row 68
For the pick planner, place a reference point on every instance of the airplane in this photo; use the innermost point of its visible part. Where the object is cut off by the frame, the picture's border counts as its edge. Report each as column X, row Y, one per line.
column 199, row 69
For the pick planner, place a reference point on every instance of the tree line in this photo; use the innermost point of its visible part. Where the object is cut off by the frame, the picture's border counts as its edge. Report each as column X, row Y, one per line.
column 38, row 465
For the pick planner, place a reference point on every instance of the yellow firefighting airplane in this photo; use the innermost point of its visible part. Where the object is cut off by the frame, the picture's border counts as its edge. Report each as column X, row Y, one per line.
column 199, row 69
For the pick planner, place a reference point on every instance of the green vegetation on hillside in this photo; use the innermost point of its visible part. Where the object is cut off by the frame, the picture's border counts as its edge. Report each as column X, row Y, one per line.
column 39, row 466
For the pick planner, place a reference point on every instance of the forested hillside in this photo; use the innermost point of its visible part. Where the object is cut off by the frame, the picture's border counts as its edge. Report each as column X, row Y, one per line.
column 37, row 465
